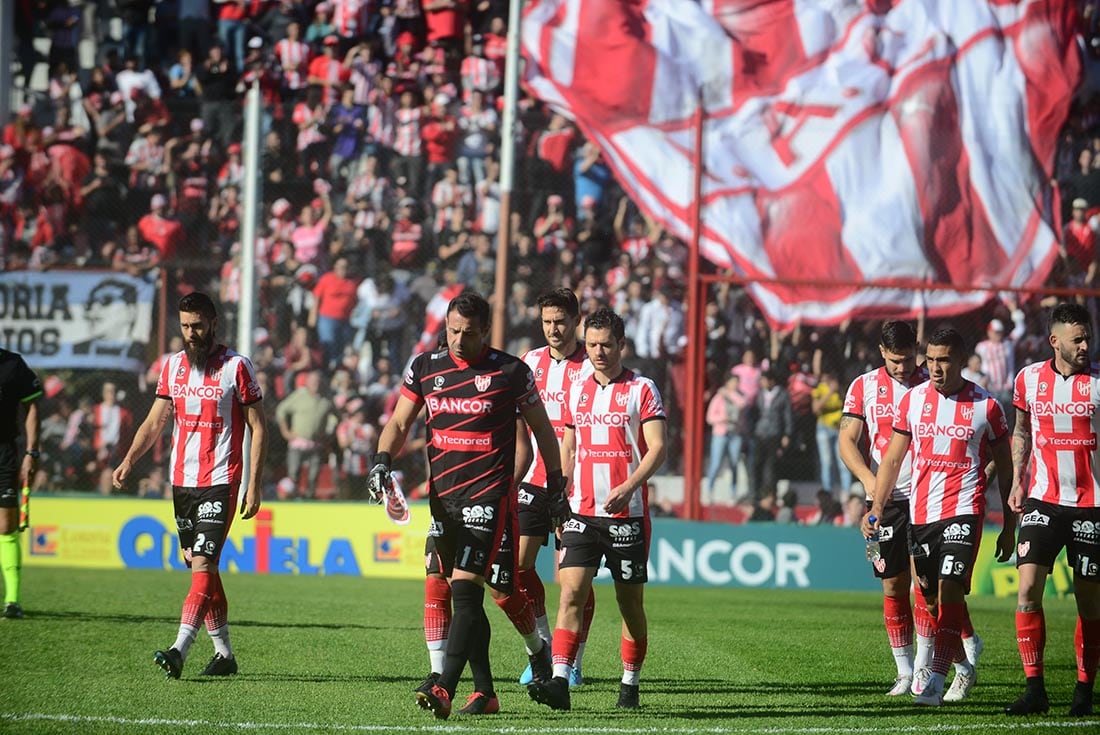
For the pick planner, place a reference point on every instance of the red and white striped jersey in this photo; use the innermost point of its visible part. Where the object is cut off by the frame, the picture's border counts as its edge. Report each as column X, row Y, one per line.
column 112, row 423
column 294, row 58
column 873, row 398
column 637, row 248
column 553, row 378
column 1065, row 423
column 361, row 439
column 350, row 17
column 607, row 421
column 950, row 446
column 479, row 73
column 407, row 140
column 998, row 362
column 208, row 412
column 446, row 198
column 380, row 120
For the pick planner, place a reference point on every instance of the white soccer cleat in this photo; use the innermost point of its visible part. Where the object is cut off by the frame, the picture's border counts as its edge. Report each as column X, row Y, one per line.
column 901, row 686
column 920, row 678
column 960, row 687
column 931, row 695
column 973, row 647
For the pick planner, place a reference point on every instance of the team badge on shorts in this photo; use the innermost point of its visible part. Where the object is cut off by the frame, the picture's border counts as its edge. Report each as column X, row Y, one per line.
column 1022, row 549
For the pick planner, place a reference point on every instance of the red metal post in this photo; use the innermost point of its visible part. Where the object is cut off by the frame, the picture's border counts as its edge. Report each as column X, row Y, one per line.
column 696, row 341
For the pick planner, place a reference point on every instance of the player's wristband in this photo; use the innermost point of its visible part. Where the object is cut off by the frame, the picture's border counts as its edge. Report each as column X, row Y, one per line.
column 33, row 453
column 382, row 458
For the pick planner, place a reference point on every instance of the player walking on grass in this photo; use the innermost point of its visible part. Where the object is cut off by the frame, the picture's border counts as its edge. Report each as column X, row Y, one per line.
column 615, row 427
column 556, row 366
column 871, row 403
column 472, row 393
column 949, row 427
column 212, row 394
column 20, row 390
column 1055, row 455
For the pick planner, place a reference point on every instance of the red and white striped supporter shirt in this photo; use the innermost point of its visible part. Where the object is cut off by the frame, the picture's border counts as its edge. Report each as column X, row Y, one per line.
column 637, row 248
column 873, row 398
column 294, row 58
column 380, row 121
column 950, row 446
column 407, row 140
column 349, row 17
column 1065, row 423
column 479, row 73
column 553, row 378
column 208, row 409
column 607, row 421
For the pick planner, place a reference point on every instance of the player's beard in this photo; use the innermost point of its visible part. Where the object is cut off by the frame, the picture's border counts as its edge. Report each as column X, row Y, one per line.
column 1071, row 357
column 198, row 351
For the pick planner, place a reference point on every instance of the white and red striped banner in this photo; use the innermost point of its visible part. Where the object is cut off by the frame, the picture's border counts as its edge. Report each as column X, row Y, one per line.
column 857, row 142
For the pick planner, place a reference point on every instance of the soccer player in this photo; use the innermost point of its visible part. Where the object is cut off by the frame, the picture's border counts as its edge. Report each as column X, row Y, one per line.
column 211, row 393
column 472, row 393
column 615, row 428
column 556, row 366
column 1055, row 440
column 20, row 390
column 949, row 427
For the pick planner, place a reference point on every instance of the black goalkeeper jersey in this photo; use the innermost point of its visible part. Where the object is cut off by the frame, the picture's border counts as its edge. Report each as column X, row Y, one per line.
column 471, row 420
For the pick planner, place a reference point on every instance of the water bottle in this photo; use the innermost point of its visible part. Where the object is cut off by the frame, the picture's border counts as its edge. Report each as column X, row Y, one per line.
column 874, row 550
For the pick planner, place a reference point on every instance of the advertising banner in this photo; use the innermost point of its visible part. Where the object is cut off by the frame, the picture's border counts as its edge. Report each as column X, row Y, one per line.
column 77, row 319
column 357, row 539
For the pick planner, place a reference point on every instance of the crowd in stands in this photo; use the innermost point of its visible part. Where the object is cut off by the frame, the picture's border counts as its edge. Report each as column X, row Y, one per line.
column 380, row 193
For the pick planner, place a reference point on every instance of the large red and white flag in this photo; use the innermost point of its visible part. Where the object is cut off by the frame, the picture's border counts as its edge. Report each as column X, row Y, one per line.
column 858, row 142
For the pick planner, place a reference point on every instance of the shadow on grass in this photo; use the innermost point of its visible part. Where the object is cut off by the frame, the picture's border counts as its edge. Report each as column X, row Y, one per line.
column 86, row 616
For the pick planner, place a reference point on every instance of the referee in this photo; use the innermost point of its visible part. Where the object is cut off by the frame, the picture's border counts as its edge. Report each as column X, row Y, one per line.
column 20, row 390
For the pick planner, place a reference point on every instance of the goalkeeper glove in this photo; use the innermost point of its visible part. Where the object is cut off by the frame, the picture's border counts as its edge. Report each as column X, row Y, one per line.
column 379, row 481
column 557, row 502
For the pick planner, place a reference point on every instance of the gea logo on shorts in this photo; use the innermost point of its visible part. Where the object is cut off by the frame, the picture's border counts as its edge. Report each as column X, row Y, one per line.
column 956, row 532
column 478, row 513
column 210, row 508
column 885, row 533
column 623, row 530
column 525, row 498
column 1035, row 518
column 574, row 525
column 1085, row 531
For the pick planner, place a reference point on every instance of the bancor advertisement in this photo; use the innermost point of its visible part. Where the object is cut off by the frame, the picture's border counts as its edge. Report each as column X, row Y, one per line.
column 357, row 539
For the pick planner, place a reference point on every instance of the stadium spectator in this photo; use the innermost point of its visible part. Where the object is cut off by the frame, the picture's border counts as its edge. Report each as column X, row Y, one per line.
column 219, row 106
column 998, row 352
column 304, row 418
column 113, row 424
column 828, row 406
column 605, row 518
column 357, row 438
column 727, row 417
column 204, row 493
column 1078, row 250
column 773, row 426
column 20, row 390
column 334, row 299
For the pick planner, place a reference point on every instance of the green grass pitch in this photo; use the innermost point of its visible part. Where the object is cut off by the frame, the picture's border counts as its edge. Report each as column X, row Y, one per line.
column 342, row 654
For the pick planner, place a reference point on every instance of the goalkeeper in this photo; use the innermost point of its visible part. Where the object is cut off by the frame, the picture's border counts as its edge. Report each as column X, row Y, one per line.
column 20, row 390
column 472, row 393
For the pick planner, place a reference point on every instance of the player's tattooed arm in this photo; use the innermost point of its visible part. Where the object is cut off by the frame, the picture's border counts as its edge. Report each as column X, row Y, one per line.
column 1021, row 456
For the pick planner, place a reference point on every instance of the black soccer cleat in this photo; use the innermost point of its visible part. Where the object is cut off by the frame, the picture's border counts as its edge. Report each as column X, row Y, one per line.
column 628, row 696
column 438, row 700
column 1031, row 702
column 13, row 611
column 220, row 666
column 554, row 693
column 1082, row 700
column 426, row 685
column 542, row 666
column 170, row 661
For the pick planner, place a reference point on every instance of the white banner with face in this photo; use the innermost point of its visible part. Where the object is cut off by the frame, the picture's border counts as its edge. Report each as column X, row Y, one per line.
column 77, row 319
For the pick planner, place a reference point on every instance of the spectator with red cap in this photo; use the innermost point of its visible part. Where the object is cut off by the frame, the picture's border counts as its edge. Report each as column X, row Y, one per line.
column 1078, row 249
column 327, row 71
column 157, row 229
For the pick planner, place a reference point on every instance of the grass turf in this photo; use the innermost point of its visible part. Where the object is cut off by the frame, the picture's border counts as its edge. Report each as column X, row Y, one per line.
column 343, row 654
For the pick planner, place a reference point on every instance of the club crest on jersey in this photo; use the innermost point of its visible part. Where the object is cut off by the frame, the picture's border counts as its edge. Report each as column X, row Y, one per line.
column 622, row 399
column 927, row 408
column 539, row 373
column 584, row 398
column 216, row 373
column 1081, row 387
column 968, row 413
column 482, row 382
column 574, row 375
column 438, row 382
column 182, row 371
column 1042, row 387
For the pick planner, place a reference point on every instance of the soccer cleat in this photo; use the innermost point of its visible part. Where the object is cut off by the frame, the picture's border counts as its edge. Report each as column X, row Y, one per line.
column 628, row 696
column 542, row 667
column 1031, row 702
column 220, row 666
column 170, row 661
column 575, row 678
column 426, row 685
column 437, row 700
column 13, row 611
column 961, row 686
column 554, row 693
column 931, row 695
column 480, row 703
column 527, row 676
column 920, row 678
column 901, row 686
column 973, row 648
column 1082, row 700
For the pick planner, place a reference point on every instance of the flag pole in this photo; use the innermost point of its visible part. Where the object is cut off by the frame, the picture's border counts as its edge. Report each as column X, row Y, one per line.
column 507, row 173
column 695, row 379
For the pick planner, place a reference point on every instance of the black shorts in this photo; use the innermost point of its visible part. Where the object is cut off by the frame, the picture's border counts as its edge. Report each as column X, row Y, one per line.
column 10, row 460
column 1045, row 528
column 474, row 537
column 622, row 543
column 203, row 518
column 534, row 518
column 945, row 550
column 893, row 540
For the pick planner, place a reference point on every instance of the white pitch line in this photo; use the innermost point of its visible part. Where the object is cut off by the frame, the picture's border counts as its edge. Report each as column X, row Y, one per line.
column 542, row 730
